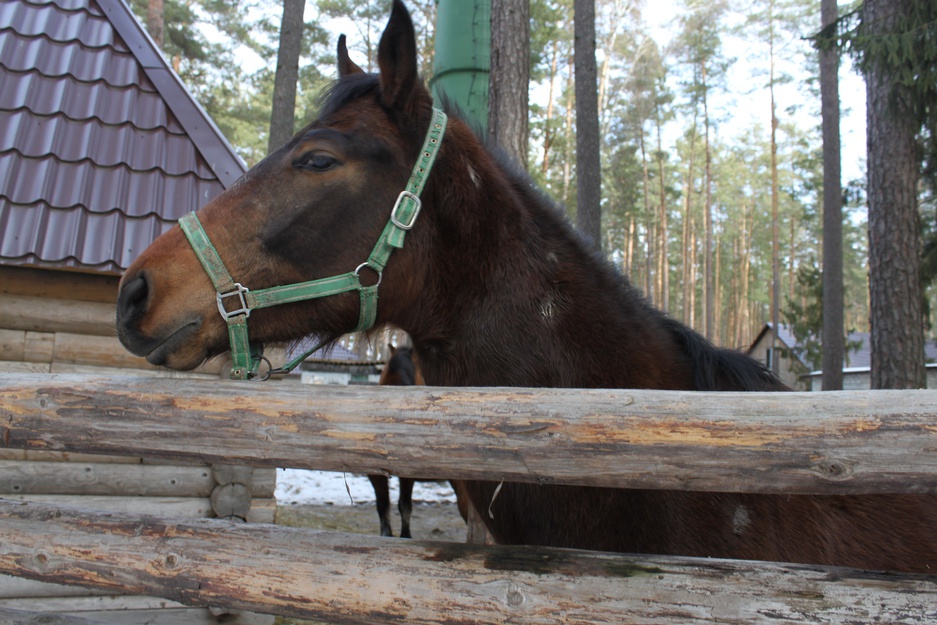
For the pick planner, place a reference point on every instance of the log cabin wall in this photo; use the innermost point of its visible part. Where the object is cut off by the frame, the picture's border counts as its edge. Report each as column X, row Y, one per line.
column 103, row 150
column 55, row 321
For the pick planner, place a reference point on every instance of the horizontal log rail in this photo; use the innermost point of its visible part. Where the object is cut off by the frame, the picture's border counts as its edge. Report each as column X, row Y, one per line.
column 19, row 617
column 368, row 579
column 810, row 443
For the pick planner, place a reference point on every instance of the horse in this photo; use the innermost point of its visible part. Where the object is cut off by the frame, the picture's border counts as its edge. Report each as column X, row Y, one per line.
column 496, row 288
column 400, row 370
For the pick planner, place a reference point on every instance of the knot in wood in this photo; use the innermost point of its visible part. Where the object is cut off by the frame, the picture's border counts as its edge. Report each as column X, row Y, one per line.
column 833, row 469
column 514, row 598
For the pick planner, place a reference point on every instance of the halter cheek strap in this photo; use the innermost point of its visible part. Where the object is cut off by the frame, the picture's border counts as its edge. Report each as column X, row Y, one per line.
column 235, row 302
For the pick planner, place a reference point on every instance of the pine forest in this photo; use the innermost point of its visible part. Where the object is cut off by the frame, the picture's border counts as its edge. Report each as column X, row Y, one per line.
column 710, row 126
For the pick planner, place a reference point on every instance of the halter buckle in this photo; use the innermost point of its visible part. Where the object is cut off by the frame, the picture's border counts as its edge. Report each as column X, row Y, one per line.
column 400, row 198
column 239, row 292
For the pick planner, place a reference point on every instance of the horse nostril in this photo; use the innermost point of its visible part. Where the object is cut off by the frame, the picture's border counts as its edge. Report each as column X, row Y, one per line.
column 132, row 297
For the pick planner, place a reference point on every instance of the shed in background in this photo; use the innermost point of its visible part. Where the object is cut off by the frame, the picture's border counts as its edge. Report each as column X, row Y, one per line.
column 857, row 361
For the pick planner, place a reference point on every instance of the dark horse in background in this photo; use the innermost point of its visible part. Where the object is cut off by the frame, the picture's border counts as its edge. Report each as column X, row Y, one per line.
column 400, row 370
column 496, row 289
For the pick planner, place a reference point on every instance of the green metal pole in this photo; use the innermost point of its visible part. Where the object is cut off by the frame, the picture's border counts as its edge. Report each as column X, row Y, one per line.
column 463, row 57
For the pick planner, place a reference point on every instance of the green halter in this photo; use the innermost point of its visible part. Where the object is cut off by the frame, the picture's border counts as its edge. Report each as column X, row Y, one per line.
column 245, row 357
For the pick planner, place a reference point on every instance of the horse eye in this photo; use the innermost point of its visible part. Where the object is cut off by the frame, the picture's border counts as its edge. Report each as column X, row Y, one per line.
column 316, row 161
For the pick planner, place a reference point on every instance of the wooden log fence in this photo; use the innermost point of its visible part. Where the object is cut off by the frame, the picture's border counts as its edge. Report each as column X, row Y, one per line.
column 326, row 576
column 809, row 443
column 867, row 442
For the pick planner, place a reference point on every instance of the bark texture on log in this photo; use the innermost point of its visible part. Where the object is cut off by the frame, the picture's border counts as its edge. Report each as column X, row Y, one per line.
column 807, row 443
column 368, row 579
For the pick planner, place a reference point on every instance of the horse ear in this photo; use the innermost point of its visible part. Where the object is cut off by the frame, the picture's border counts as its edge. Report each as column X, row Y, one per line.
column 396, row 57
column 392, row 349
column 345, row 65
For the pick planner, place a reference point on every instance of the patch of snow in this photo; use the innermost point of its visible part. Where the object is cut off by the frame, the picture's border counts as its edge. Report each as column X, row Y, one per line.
column 300, row 486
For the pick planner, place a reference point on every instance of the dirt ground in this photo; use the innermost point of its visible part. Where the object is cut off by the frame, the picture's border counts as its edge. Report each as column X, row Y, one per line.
column 430, row 521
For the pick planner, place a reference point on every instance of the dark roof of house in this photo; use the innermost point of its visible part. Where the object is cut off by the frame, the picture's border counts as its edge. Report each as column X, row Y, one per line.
column 855, row 358
column 102, row 148
column 784, row 335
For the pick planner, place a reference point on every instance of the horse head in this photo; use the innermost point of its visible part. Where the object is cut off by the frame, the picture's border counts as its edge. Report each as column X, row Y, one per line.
column 312, row 209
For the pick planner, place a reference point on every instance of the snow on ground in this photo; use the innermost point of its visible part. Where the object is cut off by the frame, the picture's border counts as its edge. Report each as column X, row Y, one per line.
column 299, row 486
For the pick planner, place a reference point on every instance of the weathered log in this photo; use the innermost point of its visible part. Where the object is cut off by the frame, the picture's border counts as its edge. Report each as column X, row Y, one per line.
column 20, row 587
column 79, row 349
column 365, row 579
column 261, row 510
column 182, row 507
column 111, row 610
column 19, row 617
column 72, row 285
column 834, row 443
column 92, row 478
column 47, row 314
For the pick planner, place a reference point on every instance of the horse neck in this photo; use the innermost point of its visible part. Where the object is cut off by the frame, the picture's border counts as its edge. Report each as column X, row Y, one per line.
column 517, row 299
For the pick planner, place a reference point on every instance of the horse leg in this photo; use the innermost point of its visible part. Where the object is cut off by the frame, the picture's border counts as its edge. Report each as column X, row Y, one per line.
column 405, row 505
column 382, row 497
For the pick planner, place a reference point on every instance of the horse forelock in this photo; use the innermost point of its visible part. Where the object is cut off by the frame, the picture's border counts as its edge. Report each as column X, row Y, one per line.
column 345, row 90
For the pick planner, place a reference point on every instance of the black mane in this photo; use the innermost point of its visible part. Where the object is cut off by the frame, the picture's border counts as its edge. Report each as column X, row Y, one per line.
column 345, row 90
column 714, row 368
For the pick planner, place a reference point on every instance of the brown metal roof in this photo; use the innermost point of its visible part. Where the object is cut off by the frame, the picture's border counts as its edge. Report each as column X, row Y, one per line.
column 102, row 148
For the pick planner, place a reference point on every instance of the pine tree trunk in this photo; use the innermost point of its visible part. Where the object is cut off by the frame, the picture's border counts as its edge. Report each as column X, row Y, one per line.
column 588, row 167
column 567, row 134
column 717, row 295
column 155, row 21
column 663, row 265
column 707, row 225
column 649, row 239
column 282, row 117
column 687, row 205
column 685, row 260
column 894, row 224
column 693, row 275
column 833, row 327
column 509, row 77
column 775, row 235
column 547, row 130
column 732, row 325
column 745, row 321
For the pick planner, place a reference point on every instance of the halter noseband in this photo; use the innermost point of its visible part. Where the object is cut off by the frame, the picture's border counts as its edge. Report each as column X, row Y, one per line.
column 245, row 357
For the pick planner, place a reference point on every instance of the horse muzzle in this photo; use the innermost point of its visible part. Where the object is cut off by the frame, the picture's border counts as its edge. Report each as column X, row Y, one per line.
column 172, row 344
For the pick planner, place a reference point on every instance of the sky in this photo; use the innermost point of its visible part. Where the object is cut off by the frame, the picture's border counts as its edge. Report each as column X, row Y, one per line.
column 750, row 99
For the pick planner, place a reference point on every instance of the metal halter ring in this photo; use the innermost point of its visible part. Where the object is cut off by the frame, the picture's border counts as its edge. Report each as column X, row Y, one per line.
column 268, row 372
column 380, row 274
